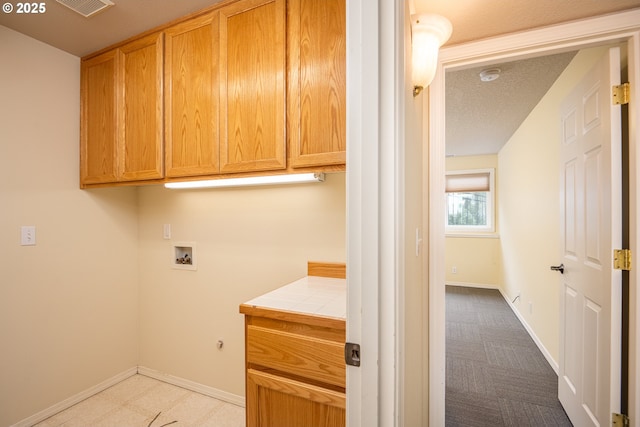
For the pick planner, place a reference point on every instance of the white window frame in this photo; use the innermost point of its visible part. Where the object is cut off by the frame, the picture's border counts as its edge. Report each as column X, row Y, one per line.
column 491, row 202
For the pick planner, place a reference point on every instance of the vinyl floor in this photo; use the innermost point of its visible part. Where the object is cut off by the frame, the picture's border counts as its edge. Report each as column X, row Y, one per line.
column 495, row 373
column 140, row 401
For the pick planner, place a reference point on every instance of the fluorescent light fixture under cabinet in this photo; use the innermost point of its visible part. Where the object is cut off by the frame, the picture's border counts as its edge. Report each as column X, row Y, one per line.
column 253, row 180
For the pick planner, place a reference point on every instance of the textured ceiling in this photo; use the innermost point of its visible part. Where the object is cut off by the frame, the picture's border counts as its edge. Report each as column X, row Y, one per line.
column 482, row 116
column 65, row 29
column 471, row 19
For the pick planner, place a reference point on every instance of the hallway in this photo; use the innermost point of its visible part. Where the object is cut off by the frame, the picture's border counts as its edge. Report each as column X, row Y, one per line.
column 495, row 374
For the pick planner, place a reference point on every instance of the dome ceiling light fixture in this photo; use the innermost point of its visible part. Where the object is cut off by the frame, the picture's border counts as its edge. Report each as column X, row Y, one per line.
column 428, row 33
column 490, row 74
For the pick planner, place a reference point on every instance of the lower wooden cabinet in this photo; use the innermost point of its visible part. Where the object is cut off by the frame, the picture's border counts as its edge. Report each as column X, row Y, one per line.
column 278, row 401
column 296, row 374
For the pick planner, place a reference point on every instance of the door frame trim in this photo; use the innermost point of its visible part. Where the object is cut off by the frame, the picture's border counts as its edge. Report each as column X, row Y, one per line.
column 606, row 29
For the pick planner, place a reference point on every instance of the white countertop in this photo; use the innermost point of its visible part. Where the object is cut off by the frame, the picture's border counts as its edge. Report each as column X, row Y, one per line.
column 320, row 296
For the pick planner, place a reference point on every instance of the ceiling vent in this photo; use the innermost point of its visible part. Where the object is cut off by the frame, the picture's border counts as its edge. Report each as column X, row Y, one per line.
column 86, row 8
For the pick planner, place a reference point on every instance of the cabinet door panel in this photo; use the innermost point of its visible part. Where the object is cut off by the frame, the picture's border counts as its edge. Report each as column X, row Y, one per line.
column 192, row 97
column 317, row 82
column 274, row 401
column 141, row 154
column 98, row 135
column 252, row 93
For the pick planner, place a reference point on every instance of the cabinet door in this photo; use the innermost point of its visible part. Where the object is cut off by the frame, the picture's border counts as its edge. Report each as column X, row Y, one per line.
column 317, row 82
column 192, row 97
column 252, row 87
column 275, row 401
column 140, row 151
column 98, row 129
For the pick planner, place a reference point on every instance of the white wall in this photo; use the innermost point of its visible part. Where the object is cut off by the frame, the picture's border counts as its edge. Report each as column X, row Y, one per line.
column 249, row 241
column 529, row 209
column 69, row 305
column 97, row 295
column 413, row 307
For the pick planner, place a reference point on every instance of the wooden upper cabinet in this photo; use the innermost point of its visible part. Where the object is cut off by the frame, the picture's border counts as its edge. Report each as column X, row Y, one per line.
column 252, row 86
column 192, row 97
column 317, row 82
column 98, row 133
column 246, row 88
column 141, row 142
column 121, row 115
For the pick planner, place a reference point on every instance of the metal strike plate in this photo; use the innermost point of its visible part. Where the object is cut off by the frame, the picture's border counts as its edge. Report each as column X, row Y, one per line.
column 352, row 354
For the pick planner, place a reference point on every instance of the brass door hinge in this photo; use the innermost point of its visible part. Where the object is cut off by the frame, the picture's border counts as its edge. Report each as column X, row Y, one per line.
column 621, row 94
column 622, row 259
column 619, row 420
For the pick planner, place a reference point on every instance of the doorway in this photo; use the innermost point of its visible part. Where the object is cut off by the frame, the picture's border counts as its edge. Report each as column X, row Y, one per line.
column 483, row 53
column 527, row 239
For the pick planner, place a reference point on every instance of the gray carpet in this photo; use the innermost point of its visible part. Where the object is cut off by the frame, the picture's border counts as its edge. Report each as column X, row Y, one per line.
column 495, row 374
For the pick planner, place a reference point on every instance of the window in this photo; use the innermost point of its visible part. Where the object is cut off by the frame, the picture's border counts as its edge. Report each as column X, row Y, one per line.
column 470, row 201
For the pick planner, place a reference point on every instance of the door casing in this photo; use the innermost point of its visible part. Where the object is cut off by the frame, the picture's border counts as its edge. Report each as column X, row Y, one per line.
column 608, row 29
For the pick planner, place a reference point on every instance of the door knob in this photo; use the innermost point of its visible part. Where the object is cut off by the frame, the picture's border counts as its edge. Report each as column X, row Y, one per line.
column 559, row 268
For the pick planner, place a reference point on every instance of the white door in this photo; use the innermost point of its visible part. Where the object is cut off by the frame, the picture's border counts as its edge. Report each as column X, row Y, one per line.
column 589, row 371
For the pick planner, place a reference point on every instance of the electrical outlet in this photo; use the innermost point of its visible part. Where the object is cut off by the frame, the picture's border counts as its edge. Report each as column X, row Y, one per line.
column 454, row 270
column 166, row 231
column 28, row 235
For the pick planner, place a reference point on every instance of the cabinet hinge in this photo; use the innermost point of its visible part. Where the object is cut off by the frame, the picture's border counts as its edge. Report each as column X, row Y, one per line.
column 619, row 420
column 622, row 259
column 621, row 94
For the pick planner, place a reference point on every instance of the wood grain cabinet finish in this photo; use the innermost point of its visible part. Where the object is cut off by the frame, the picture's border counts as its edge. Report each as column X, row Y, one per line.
column 192, row 134
column 141, row 142
column 316, row 111
column 252, row 87
column 295, row 369
column 121, row 124
column 99, row 115
column 245, row 88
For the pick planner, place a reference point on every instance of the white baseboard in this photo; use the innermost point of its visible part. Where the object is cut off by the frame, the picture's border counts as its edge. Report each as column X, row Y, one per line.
column 180, row 382
column 67, row 403
column 473, row 285
column 193, row 386
column 534, row 337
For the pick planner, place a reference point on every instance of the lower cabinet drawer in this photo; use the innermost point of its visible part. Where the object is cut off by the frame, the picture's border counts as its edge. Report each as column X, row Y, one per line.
column 283, row 402
column 310, row 357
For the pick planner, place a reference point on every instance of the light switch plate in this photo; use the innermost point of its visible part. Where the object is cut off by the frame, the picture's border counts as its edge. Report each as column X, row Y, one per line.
column 28, row 235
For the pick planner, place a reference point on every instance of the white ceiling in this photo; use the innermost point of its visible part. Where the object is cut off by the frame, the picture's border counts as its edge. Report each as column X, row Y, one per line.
column 472, row 19
column 478, row 19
